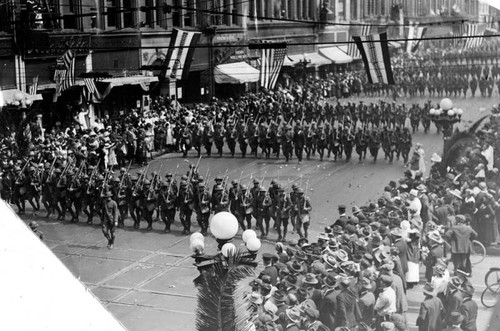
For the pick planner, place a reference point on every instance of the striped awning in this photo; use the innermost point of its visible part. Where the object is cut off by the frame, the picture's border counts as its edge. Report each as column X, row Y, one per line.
column 10, row 96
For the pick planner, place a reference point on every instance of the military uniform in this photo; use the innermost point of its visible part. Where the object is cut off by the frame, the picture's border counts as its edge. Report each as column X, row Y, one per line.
column 110, row 216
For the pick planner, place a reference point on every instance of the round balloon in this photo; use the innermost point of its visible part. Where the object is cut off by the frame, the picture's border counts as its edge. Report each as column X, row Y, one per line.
column 445, row 104
column 18, row 96
column 460, row 111
column 247, row 234
column 228, row 249
column 451, row 112
column 224, row 225
column 195, row 236
column 432, row 111
column 253, row 244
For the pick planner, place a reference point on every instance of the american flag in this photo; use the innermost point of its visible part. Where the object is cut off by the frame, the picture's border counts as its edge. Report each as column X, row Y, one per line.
column 271, row 61
column 374, row 51
column 64, row 76
column 474, row 33
column 363, row 30
column 34, row 86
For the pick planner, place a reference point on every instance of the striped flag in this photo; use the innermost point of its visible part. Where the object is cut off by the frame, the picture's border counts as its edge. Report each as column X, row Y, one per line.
column 180, row 53
column 92, row 91
column 474, row 33
column 64, row 75
column 374, row 50
column 271, row 61
column 34, row 87
column 363, row 30
column 415, row 35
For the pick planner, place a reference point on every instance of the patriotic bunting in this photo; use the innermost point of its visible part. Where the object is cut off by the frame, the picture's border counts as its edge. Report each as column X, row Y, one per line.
column 474, row 33
column 180, row 53
column 64, row 76
column 415, row 35
column 374, row 51
column 352, row 50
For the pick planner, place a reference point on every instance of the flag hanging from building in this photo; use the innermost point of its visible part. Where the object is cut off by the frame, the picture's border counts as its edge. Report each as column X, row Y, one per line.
column 271, row 61
column 92, row 93
column 362, row 30
column 458, row 33
column 64, row 75
column 474, row 33
column 374, row 50
column 415, row 35
column 34, row 87
column 180, row 53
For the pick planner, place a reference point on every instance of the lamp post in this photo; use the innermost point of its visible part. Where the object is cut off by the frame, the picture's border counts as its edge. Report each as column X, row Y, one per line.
column 445, row 117
column 220, row 273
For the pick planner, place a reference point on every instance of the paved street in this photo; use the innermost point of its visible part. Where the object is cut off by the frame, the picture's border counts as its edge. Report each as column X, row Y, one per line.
column 146, row 281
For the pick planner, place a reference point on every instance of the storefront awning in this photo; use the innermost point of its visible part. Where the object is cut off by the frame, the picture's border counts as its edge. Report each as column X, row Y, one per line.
column 336, row 55
column 143, row 81
column 8, row 97
column 235, row 73
column 288, row 62
column 314, row 59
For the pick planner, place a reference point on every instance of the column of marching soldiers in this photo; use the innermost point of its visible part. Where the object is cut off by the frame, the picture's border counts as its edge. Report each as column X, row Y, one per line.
column 153, row 196
column 337, row 130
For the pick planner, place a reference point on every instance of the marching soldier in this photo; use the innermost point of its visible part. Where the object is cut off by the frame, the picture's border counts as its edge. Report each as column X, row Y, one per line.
column 167, row 202
column 231, row 135
column 19, row 190
column 234, row 199
column 203, row 212
column 260, row 209
column 245, row 199
column 149, row 204
column 374, row 144
column 299, row 139
column 186, row 205
column 7, row 183
column 135, row 194
column 360, row 140
column 110, row 215
column 347, row 143
column 34, row 188
column 243, row 136
column 220, row 199
column 283, row 207
column 74, row 196
column 287, row 143
column 302, row 208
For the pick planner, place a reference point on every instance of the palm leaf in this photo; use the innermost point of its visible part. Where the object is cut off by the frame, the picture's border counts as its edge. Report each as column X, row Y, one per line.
column 458, row 141
column 221, row 305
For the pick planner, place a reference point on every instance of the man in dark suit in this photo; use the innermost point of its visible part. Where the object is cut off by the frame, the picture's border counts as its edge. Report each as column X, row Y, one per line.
column 469, row 309
column 431, row 315
column 460, row 237
column 453, row 301
column 328, row 303
column 269, row 269
column 342, row 220
column 347, row 311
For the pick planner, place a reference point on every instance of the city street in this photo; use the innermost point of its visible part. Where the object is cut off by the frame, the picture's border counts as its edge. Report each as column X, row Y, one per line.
column 146, row 281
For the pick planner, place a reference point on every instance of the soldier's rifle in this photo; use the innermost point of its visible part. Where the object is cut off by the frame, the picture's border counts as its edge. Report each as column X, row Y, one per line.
column 124, row 175
column 65, row 170
column 22, row 170
column 92, row 177
column 77, row 175
column 104, row 182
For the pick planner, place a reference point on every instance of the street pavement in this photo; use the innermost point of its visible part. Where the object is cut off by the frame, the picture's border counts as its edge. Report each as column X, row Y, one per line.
column 146, row 281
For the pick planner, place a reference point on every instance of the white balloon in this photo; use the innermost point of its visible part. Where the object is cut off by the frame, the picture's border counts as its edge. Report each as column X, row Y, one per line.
column 432, row 111
column 228, row 249
column 195, row 236
column 446, row 104
column 224, row 225
column 460, row 111
column 451, row 112
column 253, row 244
column 248, row 234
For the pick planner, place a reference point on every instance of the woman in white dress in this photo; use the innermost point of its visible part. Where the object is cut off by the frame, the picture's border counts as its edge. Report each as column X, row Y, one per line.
column 112, row 160
column 412, row 276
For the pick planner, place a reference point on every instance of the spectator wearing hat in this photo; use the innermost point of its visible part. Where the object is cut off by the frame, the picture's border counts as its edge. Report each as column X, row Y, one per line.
column 366, row 301
column 460, row 237
column 436, row 252
column 385, row 305
column 397, row 286
column 327, row 306
column 400, row 242
column 442, row 212
column 290, row 320
column 269, row 269
column 312, row 323
column 342, row 219
column 469, row 309
column 347, row 311
column 453, row 301
column 430, row 317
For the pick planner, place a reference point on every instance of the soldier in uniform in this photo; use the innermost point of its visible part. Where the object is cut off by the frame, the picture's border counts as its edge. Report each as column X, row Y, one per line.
column 360, row 140
column 243, row 136
column 374, row 144
column 34, row 188
column 186, row 141
column 185, row 201
column 74, row 196
column 302, row 207
column 7, row 183
column 110, row 215
column 260, row 209
column 287, row 143
column 219, row 137
column 234, row 202
column 149, row 204
column 134, row 197
column 347, row 143
column 405, row 143
column 322, row 141
column 231, row 135
column 19, row 190
column 245, row 199
column 122, row 198
column 167, row 202
column 283, row 206
column 299, row 139
column 203, row 212
column 220, row 199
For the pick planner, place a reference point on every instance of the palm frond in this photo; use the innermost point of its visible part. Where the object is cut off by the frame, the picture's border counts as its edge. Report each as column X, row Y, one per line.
column 458, row 141
column 220, row 303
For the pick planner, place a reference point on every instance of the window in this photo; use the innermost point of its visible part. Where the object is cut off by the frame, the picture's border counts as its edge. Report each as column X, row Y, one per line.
column 227, row 12
column 177, row 13
column 111, row 9
column 150, row 14
column 190, row 16
column 129, row 16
